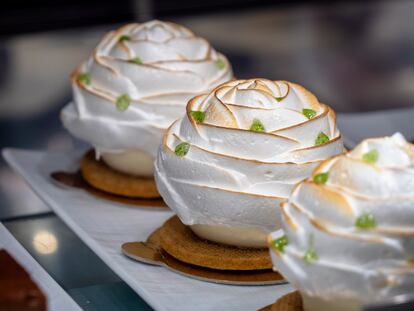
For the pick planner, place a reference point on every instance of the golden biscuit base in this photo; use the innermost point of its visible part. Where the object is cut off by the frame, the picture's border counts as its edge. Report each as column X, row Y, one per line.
column 102, row 177
column 180, row 242
column 288, row 302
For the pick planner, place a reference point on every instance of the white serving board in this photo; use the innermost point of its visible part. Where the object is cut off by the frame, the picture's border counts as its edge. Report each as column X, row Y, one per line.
column 57, row 298
column 104, row 226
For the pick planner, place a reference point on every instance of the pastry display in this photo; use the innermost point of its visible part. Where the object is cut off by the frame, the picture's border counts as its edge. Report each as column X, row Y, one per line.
column 225, row 167
column 134, row 85
column 18, row 292
column 347, row 237
column 228, row 163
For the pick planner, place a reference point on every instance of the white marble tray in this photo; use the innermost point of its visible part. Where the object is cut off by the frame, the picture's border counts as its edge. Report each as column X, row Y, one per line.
column 57, row 298
column 104, row 226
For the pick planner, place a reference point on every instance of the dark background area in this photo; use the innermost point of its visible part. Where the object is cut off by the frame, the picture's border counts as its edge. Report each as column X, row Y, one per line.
column 21, row 16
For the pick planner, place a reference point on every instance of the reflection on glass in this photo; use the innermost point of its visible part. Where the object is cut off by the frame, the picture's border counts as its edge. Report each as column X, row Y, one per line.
column 45, row 242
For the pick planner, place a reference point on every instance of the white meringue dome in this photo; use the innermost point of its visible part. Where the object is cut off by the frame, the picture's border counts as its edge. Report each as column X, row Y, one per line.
column 349, row 230
column 134, row 85
column 248, row 143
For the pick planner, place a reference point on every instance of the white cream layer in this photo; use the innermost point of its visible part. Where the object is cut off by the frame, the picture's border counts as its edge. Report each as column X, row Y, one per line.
column 232, row 235
column 233, row 176
column 134, row 162
column 358, row 264
column 171, row 66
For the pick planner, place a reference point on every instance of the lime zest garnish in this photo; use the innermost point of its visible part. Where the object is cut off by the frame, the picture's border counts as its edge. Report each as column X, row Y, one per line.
column 366, row 221
column 257, row 126
column 321, row 178
column 182, row 149
column 198, row 116
column 311, row 255
column 371, row 156
column 84, row 78
column 280, row 243
column 122, row 102
column 124, row 38
column 279, row 99
column 220, row 63
column 136, row 60
column 309, row 113
column 322, row 138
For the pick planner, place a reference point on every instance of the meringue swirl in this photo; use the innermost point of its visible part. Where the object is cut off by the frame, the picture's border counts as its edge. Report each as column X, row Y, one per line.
column 137, row 82
column 247, row 144
column 350, row 234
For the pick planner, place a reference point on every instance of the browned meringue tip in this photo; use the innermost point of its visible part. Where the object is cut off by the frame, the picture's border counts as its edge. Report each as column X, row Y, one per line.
column 256, row 195
column 164, row 143
column 331, row 141
column 288, row 219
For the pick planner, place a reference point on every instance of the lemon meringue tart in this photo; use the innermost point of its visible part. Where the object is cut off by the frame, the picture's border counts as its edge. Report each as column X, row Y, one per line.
column 137, row 81
column 347, row 237
column 227, row 164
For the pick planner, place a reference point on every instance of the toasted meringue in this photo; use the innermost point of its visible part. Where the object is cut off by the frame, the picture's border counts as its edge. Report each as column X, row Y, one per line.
column 247, row 144
column 349, row 236
column 135, row 84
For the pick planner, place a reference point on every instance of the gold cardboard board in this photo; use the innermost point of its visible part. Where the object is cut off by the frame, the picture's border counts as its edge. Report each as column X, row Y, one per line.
column 288, row 302
column 76, row 180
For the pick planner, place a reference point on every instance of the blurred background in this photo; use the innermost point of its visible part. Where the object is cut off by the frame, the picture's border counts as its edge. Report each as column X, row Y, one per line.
column 356, row 56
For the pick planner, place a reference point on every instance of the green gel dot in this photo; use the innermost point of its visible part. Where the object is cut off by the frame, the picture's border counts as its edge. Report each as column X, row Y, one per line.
column 371, row 156
column 84, row 78
column 309, row 113
column 311, row 255
column 220, row 63
column 280, row 243
column 321, row 139
column 198, row 116
column 136, row 60
column 321, row 178
column 182, row 149
column 124, row 38
column 122, row 102
column 257, row 126
column 366, row 221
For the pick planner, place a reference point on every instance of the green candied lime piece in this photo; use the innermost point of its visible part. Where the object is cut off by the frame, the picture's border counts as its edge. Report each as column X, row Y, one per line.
column 257, row 126
column 311, row 255
column 279, row 99
column 124, row 38
column 122, row 102
column 321, row 178
column 136, row 60
column 84, row 78
column 371, row 156
column 366, row 221
column 321, row 138
column 198, row 116
column 280, row 243
column 309, row 113
column 220, row 63
column 182, row 149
